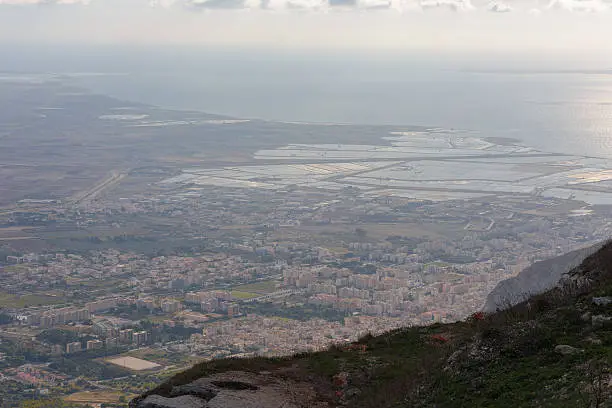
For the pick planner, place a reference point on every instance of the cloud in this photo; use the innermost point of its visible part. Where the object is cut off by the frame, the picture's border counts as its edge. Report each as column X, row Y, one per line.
column 217, row 4
column 210, row 4
column 343, row 3
column 314, row 5
column 375, row 4
column 586, row 6
column 161, row 3
column 498, row 7
column 454, row 5
column 527, row 7
column 41, row 2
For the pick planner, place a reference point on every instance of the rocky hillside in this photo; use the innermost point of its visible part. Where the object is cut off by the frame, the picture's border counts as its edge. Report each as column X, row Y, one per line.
column 551, row 350
column 536, row 279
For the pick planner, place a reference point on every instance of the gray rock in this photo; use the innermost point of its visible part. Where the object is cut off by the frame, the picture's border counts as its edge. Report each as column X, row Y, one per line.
column 203, row 391
column 566, row 350
column 232, row 384
column 237, row 389
column 244, row 399
column 185, row 401
column 594, row 340
column 599, row 321
column 536, row 279
column 602, row 301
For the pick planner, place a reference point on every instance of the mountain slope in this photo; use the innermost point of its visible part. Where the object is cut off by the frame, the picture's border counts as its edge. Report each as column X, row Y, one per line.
column 553, row 350
column 537, row 278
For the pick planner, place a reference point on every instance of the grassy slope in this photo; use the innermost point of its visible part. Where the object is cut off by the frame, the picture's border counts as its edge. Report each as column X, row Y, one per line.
column 508, row 359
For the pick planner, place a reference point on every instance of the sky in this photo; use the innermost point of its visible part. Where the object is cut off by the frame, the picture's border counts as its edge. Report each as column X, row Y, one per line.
column 580, row 26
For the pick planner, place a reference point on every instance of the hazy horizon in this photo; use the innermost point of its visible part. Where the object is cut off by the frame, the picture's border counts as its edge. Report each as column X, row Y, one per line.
column 544, row 28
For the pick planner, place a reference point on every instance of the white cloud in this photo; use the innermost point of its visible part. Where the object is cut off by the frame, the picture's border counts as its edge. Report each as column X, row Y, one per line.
column 42, row 2
column 528, row 7
column 295, row 5
column 402, row 25
column 588, row 6
column 499, row 7
column 161, row 3
column 454, row 5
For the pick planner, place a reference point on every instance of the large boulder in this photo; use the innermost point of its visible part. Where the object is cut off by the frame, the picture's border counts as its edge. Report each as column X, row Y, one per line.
column 184, row 401
column 236, row 389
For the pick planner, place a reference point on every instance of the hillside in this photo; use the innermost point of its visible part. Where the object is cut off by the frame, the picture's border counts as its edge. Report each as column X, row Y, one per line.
column 535, row 279
column 552, row 350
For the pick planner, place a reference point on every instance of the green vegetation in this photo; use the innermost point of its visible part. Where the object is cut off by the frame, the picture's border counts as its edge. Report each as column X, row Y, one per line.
column 16, row 354
column 9, row 300
column 356, row 267
column 51, row 403
column 5, row 318
column 82, row 364
column 554, row 350
column 57, row 336
column 15, row 269
column 139, row 383
column 302, row 313
column 244, row 295
column 261, row 288
column 11, row 392
column 108, row 398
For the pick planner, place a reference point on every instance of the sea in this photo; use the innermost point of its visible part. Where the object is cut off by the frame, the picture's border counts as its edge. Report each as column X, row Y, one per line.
column 561, row 104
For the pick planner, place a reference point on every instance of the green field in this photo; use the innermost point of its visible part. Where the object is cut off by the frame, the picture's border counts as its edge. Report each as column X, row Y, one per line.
column 99, row 397
column 8, row 300
column 260, row 288
column 244, row 295
column 16, row 268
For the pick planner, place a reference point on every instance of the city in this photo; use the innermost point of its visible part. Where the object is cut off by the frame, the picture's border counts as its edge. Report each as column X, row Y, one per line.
column 115, row 278
column 259, row 273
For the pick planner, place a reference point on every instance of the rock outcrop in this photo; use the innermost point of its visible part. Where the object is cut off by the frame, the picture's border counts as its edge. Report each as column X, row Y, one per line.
column 235, row 389
column 536, row 279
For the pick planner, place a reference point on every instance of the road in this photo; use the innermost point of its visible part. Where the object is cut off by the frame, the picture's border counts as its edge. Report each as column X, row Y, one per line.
column 107, row 183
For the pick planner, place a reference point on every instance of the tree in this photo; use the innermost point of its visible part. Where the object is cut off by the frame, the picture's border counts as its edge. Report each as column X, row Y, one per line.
column 5, row 318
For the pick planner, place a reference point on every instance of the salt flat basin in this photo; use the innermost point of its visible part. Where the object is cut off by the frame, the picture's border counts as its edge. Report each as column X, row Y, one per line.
column 591, row 197
column 419, row 165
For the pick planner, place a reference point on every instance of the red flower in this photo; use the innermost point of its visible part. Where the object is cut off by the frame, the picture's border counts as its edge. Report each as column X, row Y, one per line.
column 478, row 316
column 439, row 338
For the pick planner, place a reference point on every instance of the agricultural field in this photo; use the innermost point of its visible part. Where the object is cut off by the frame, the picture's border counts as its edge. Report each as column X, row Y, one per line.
column 244, row 295
column 158, row 356
column 99, row 397
column 257, row 288
column 133, row 363
column 10, row 300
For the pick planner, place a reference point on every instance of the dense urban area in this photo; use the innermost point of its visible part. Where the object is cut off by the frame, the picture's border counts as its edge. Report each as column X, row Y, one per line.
column 107, row 290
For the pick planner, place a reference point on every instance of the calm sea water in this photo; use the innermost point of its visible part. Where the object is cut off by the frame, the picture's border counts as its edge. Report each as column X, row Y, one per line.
column 555, row 106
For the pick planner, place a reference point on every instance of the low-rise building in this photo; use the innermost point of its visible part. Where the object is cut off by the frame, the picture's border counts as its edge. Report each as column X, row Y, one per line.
column 94, row 345
column 73, row 347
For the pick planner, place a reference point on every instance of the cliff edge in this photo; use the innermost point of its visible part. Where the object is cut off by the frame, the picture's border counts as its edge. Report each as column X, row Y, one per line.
column 535, row 279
